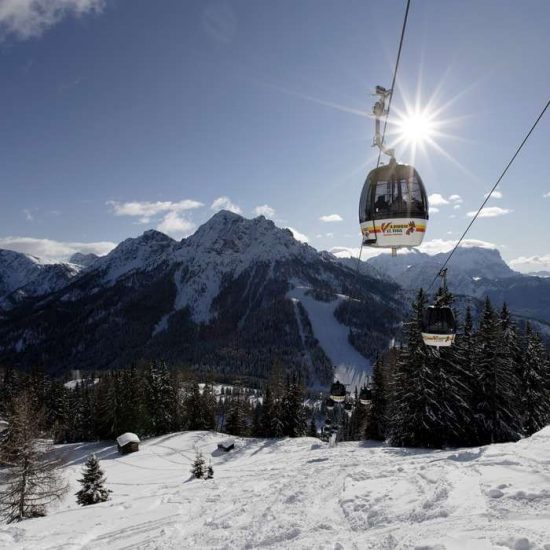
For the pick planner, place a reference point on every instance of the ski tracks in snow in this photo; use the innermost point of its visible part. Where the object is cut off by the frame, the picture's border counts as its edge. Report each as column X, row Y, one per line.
column 300, row 494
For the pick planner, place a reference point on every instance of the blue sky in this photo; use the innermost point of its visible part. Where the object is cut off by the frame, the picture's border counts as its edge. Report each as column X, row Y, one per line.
column 124, row 115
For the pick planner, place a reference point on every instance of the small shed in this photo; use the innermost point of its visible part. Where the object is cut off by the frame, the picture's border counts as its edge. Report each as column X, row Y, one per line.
column 226, row 445
column 127, row 443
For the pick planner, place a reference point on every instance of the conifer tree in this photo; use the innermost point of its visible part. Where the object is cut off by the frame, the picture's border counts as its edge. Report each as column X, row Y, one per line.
column 534, row 395
column 237, row 421
column 453, row 386
column 294, row 422
column 377, row 410
column 209, row 472
column 31, row 479
column 267, row 418
column 198, row 466
column 414, row 411
column 92, row 481
column 160, row 398
column 312, row 430
column 494, row 402
column 193, row 405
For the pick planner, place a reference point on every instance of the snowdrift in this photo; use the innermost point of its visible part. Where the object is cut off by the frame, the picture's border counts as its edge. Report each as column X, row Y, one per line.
column 301, row 494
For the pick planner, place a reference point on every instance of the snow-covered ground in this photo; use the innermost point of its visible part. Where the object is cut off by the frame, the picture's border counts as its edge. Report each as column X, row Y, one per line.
column 350, row 367
column 301, row 494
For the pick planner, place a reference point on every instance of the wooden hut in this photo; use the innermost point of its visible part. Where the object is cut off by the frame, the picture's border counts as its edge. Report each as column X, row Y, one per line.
column 127, row 443
column 226, row 445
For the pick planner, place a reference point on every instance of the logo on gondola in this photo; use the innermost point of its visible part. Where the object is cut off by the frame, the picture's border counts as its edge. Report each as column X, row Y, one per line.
column 411, row 229
column 391, row 228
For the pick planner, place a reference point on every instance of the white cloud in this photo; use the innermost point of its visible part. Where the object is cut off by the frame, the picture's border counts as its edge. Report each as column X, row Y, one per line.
column 494, row 195
column 532, row 263
column 351, row 252
column 434, row 210
column 455, row 198
column 436, row 199
column 224, row 203
column 298, row 236
column 331, row 218
column 53, row 251
column 435, row 246
column 28, row 18
column 146, row 210
column 546, row 195
column 28, row 215
column 457, row 206
column 264, row 210
column 176, row 226
column 490, row 212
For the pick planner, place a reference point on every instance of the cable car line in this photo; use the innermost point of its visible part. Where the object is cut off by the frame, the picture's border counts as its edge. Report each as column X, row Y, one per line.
column 387, row 113
column 394, row 77
column 490, row 193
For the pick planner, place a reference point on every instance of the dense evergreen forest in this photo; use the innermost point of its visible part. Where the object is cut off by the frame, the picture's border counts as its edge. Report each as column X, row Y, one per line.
column 493, row 385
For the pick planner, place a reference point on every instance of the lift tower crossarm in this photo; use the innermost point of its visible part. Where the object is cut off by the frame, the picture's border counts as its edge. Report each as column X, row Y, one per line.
column 379, row 110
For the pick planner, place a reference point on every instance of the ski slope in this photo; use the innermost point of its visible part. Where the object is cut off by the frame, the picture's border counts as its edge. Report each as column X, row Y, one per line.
column 301, row 494
column 350, row 367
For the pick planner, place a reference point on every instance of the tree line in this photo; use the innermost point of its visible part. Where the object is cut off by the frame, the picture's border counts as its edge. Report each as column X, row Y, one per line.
column 492, row 385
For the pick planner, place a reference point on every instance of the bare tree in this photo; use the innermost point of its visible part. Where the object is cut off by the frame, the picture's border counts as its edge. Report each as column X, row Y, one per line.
column 29, row 469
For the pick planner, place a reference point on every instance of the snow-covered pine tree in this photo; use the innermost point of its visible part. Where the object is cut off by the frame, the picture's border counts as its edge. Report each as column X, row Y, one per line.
column 292, row 406
column 92, row 481
column 209, row 472
column 160, row 398
column 237, row 419
column 312, row 429
column 377, row 410
column 453, row 386
column 198, row 466
column 193, row 408
column 266, row 420
column 534, row 371
column 130, row 389
column 31, row 479
column 208, row 400
column 496, row 416
column 414, row 412
column 107, row 407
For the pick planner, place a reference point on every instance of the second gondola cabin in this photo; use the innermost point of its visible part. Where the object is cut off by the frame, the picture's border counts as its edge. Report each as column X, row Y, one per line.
column 438, row 326
column 393, row 209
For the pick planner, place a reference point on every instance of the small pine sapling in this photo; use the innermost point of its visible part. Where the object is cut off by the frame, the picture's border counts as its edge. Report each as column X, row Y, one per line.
column 209, row 472
column 92, row 482
column 198, row 466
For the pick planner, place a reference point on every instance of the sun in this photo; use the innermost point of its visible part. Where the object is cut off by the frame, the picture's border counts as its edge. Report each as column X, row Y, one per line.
column 416, row 128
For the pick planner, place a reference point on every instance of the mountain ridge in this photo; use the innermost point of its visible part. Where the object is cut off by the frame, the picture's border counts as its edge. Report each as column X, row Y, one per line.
column 217, row 300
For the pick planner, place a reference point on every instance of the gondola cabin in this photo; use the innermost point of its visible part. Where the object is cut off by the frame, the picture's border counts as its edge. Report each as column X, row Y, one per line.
column 393, row 209
column 127, row 443
column 438, row 326
column 365, row 396
column 338, row 392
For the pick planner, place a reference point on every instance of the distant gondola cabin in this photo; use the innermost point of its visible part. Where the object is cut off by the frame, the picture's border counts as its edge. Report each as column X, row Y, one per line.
column 127, row 443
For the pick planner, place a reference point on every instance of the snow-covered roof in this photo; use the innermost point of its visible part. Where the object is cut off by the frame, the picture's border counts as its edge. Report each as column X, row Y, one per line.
column 126, row 438
column 226, row 443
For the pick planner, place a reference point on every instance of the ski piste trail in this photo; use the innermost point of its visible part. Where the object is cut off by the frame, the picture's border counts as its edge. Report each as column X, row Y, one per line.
column 301, row 494
column 350, row 367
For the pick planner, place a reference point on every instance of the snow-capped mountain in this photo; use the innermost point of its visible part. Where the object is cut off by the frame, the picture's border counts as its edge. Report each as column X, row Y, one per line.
column 23, row 277
column 469, row 266
column 83, row 260
column 472, row 272
column 220, row 299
